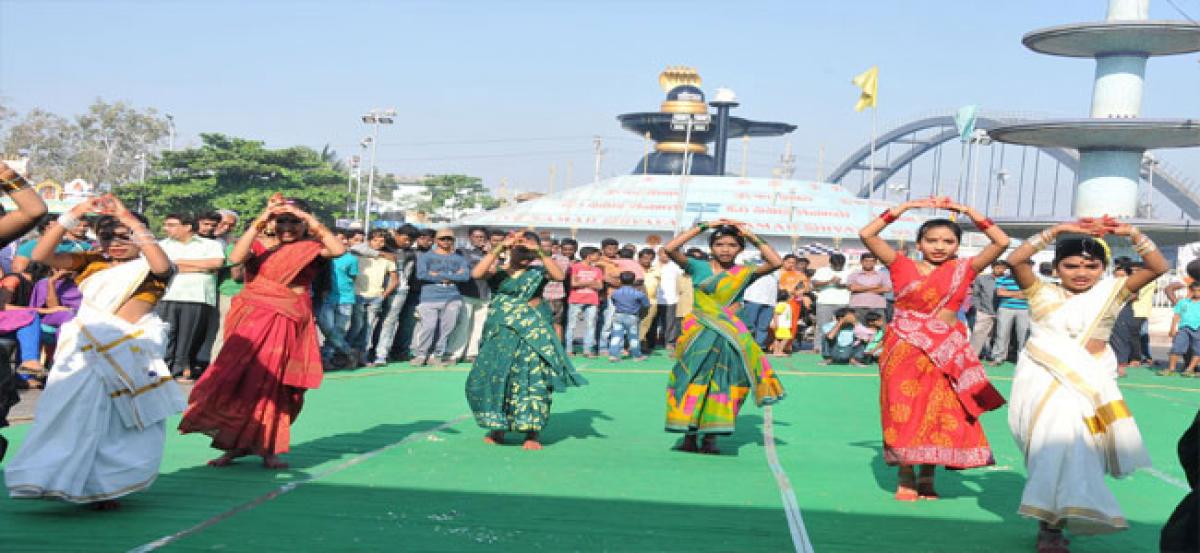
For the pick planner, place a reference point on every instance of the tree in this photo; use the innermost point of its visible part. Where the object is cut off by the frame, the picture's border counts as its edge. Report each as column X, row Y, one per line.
column 103, row 145
column 238, row 174
column 112, row 137
column 49, row 142
column 459, row 191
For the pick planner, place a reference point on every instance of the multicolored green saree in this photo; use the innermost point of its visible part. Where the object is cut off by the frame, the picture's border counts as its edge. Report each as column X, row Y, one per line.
column 718, row 361
column 521, row 360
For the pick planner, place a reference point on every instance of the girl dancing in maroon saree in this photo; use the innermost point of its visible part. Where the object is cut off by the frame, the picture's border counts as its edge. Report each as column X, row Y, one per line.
column 249, row 397
column 933, row 387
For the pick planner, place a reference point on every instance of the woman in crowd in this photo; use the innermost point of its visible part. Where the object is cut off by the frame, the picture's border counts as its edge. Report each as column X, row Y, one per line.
column 933, row 387
column 13, row 225
column 253, row 391
column 99, row 427
column 1067, row 413
column 521, row 361
column 718, row 362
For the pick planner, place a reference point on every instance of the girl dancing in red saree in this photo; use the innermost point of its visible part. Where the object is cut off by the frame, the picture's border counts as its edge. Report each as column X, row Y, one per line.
column 249, row 397
column 933, row 387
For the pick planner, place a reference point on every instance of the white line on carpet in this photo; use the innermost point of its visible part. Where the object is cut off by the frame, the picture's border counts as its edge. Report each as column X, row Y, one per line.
column 165, row 540
column 791, row 506
column 1168, row 479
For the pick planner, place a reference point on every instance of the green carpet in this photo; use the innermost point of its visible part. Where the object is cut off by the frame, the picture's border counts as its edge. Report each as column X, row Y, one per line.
column 607, row 480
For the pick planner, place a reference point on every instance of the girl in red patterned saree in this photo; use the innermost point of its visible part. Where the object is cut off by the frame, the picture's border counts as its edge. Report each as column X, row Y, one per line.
column 933, row 387
column 249, row 397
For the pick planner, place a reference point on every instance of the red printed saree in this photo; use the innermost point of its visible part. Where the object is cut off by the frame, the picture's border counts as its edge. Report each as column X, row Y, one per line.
column 254, row 389
column 933, row 387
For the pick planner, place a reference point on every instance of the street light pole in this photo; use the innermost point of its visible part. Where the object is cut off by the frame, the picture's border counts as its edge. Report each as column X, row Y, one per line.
column 170, row 132
column 374, row 117
column 358, row 178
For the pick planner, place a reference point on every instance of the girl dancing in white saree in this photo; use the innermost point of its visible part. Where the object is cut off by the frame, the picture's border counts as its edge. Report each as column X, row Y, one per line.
column 98, row 429
column 1066, row 411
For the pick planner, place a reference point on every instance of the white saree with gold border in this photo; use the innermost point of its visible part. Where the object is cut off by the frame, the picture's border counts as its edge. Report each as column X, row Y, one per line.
column 100, row 424
column 1067, row 413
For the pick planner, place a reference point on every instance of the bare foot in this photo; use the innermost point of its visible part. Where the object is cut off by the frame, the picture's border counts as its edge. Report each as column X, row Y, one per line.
column 106, row 505
column 274, row 462
column 710, row 446
column 688, row 445
column 925, row 489
column 1052, row 541
column 531, row 442
column 495, row 437
column 227, row 459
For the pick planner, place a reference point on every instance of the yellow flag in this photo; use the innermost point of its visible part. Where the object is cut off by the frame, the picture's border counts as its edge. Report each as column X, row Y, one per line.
column 868, row 81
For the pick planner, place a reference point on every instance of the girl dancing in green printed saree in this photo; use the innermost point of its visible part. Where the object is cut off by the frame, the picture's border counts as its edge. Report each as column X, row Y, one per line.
column 521, row 361
column 718, row 363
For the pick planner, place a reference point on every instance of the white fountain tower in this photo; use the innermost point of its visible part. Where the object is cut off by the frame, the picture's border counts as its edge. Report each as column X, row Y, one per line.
column 1113, row 140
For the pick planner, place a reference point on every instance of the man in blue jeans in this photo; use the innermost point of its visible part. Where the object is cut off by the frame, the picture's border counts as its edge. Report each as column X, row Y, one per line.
column 336, row 311
column 758, row 306
column 586, row 279
column 627, row 303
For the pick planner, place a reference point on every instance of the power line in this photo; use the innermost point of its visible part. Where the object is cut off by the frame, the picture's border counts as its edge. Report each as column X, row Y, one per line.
column 486, row 156
column 1181, row 12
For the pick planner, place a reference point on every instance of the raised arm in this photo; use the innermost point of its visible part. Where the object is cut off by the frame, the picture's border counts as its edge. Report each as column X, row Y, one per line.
column 331, row 245
column 44, row 252
column 242, row 250
column 30, row 206
column 999, row 240
column 552, row 269
column 771, row 259
column 870, row 233
column 1018, row 260
column 674, row 246
column 1156, row 264
column 160, row 266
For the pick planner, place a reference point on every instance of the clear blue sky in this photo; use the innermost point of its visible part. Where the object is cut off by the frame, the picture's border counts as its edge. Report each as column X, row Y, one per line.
column 466, row 76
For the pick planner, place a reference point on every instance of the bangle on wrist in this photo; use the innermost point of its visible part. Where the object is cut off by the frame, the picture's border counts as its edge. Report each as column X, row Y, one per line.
column 888, row 217
column 14, row 184
column 702, row 226
column 985, row 224
column 68, row 221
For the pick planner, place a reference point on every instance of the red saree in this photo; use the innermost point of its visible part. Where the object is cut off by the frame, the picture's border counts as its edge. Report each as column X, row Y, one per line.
column 933, row 387
column 253, row 391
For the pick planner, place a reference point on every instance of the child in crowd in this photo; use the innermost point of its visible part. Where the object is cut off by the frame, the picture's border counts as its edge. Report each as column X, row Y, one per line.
column 870, row 333
column 782, row 323
column 628, row 302
column 587, row 279
column 839, row 345
column 1185, row 332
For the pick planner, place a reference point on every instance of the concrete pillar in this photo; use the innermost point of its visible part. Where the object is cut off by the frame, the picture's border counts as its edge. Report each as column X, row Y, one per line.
column 1117, row 91
column 1128, row 10
column 1108, row 183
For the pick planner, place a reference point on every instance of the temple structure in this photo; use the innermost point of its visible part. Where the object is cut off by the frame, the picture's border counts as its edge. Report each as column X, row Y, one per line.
column 683, row 127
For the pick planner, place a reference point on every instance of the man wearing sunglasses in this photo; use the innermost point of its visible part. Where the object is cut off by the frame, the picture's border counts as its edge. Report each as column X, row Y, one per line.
column 439, row 270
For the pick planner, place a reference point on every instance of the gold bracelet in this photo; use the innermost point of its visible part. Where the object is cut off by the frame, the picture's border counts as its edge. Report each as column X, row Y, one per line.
column 14, row 184
column 1041, row 240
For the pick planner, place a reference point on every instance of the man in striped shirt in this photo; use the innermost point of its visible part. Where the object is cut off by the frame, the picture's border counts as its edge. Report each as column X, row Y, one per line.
column 1012, row 316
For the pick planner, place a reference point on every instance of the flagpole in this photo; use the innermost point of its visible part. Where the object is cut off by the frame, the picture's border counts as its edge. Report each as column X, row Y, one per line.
column 871, row 181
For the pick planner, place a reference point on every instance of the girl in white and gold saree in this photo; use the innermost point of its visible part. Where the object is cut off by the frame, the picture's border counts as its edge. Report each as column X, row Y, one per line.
column 98, row 429
column 1066, row 411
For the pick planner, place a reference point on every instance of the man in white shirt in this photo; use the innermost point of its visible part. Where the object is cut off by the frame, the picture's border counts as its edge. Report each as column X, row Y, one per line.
column 758, row 305
column 832, row 286
column 189, row 305
column 667, row 298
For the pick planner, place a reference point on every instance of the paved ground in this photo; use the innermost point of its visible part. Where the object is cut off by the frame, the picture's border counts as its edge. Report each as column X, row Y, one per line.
column 389, row 460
